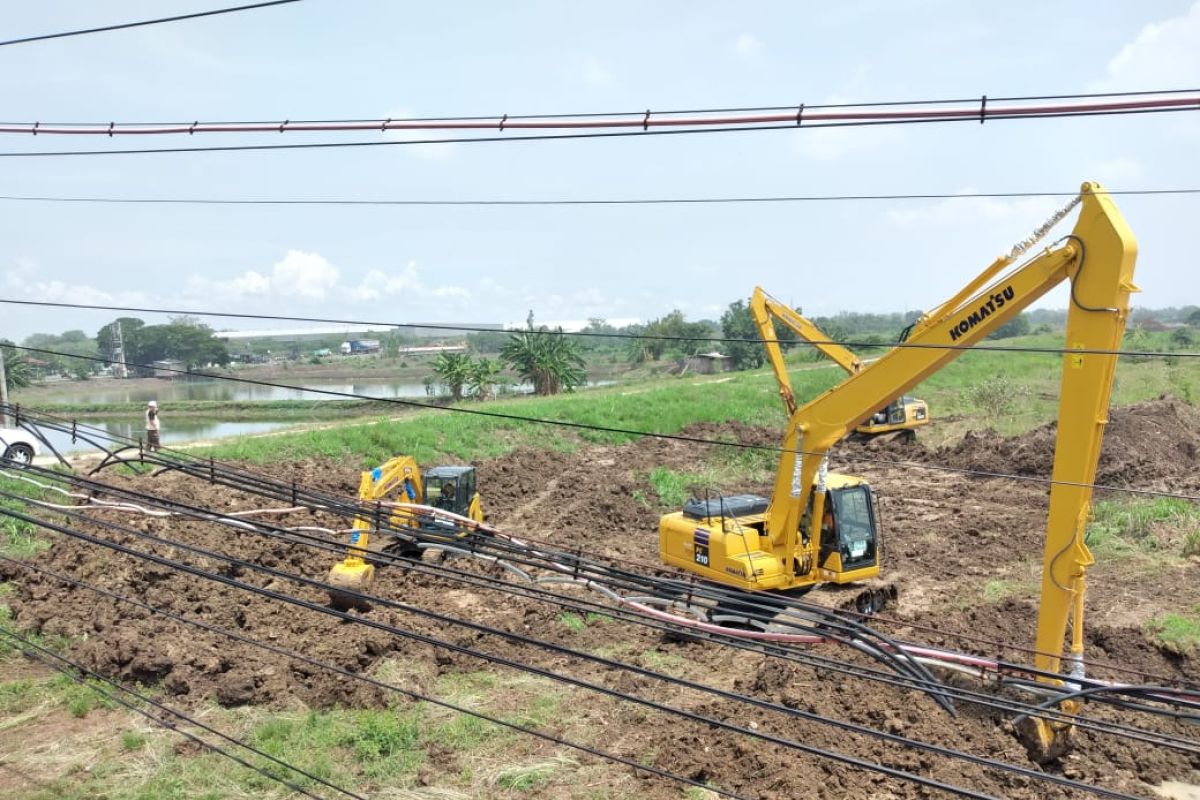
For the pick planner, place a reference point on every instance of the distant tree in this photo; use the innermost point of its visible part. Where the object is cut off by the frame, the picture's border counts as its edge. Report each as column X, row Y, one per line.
column 1193, row 318
column 549, row 360
column 453, row 370
column 73, row 336
column 1182, row 337
column 194, row 345
column 129, row 328
column 736, row 323
column 1017, row 326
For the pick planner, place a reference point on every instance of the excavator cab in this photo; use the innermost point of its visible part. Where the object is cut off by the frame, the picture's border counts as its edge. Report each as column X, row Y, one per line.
column 451, row 488
column 902, row 415
column 726, row 540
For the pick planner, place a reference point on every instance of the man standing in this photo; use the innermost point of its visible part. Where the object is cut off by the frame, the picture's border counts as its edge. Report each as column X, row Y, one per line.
column 152, row 440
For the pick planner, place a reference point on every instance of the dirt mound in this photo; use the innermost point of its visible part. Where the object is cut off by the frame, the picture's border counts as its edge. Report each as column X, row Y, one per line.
column 1151, row 444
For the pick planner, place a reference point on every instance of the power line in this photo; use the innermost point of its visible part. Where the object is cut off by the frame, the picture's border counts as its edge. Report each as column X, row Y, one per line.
column 977, row 473
column 551, row 559
column 242, row 637
column 976, row 109
column 1191, row 103
column 372, row 681
column 580, row 334
column 647, row 201
column 125, row 25
column 77, row 672
column 499, row 660
column 555, row 674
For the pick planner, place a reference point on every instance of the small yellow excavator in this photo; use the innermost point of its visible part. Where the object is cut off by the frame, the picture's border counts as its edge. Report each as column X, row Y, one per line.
column 449, row 489
column 818, row 527
column 899, row 418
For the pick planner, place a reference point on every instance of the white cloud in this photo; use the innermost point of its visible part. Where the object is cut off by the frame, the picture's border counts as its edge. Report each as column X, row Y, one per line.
column 307, row 275
column 22, row 282
column 1165, row 54
column 747, row 45
column 834, row 143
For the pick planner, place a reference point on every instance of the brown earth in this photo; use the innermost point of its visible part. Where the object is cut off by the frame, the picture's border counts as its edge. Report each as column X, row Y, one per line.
column 950, row 537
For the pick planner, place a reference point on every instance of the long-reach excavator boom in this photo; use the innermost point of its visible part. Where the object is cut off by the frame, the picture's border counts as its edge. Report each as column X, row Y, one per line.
column 805, row 533
column 903, row 415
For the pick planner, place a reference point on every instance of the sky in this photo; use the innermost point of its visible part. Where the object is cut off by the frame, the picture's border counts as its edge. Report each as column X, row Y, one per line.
column 320, row 59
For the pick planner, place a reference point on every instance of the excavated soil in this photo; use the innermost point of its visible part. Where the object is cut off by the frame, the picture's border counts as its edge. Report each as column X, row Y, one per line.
column 951, row 539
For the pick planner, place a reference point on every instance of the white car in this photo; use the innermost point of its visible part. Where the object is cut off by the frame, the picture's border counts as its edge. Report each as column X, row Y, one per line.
column 17, row 446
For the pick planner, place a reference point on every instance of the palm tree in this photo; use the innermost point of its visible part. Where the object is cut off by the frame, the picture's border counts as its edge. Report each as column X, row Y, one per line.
column 17, row 369
column 454, row 370
column 484, row 373
column 547, row 359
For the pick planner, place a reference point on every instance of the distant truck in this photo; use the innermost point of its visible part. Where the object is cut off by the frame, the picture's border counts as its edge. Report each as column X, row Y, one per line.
column 356, row 347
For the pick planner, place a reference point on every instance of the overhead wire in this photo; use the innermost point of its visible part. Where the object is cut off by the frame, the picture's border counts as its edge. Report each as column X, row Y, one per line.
column 383, row 557
column 636, row 335
column 144, row 23
column 370, row 680
column 492, row 658
column 857, row 458
column 78, row 672
column 596, row 135
column 552, row 674
column 978, row 109
column 562, row 201
column 292, row 654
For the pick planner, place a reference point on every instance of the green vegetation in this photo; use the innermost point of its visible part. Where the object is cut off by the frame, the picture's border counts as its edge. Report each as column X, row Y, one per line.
column 18, row 538
column 1126, row 527
column 530, row 776
column 1178, row 632
column 550, row 361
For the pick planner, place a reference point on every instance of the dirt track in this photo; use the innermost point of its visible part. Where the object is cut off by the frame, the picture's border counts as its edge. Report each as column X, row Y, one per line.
column 948, row 536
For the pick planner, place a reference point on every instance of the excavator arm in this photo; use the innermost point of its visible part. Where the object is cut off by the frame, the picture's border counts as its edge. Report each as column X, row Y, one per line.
column 764, row 309
column 1098, row 259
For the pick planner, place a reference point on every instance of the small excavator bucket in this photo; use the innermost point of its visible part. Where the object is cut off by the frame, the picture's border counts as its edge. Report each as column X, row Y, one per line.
column 347, row 581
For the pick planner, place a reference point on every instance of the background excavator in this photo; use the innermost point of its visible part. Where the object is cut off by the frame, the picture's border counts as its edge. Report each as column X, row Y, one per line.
column 449, row 489
column 899, row 418
column 820, row 527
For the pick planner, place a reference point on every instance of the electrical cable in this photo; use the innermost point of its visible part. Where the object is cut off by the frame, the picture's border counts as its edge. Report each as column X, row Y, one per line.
column 591, row 572
column 65, row 666
column 792, row 116
column 1083, row 722
column 358, row 676
column 647, row 201
column 492, row 658
column 291, row 654
column 719, row 110
column 554, row 675
column 577, row 334
column 1181, row 106
column 125, row 25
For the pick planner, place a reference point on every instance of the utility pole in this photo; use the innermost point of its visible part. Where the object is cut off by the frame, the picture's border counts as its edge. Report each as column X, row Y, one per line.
column 3, row 392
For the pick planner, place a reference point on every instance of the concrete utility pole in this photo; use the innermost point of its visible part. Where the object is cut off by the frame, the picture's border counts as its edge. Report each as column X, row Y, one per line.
column 3, row 391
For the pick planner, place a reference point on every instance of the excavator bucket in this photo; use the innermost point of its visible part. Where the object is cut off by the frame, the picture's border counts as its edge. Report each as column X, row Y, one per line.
column 347, row 581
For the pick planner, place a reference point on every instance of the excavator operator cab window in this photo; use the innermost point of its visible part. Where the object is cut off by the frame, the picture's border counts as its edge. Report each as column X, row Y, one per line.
column 849, row 527
column 446, row 497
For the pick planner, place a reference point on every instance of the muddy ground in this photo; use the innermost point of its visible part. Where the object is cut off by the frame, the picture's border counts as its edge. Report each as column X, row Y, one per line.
column 964, row 550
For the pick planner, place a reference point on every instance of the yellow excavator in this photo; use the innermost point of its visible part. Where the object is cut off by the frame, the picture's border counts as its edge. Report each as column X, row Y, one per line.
column 449, row 489
column 899, row 418
column 819, row 527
